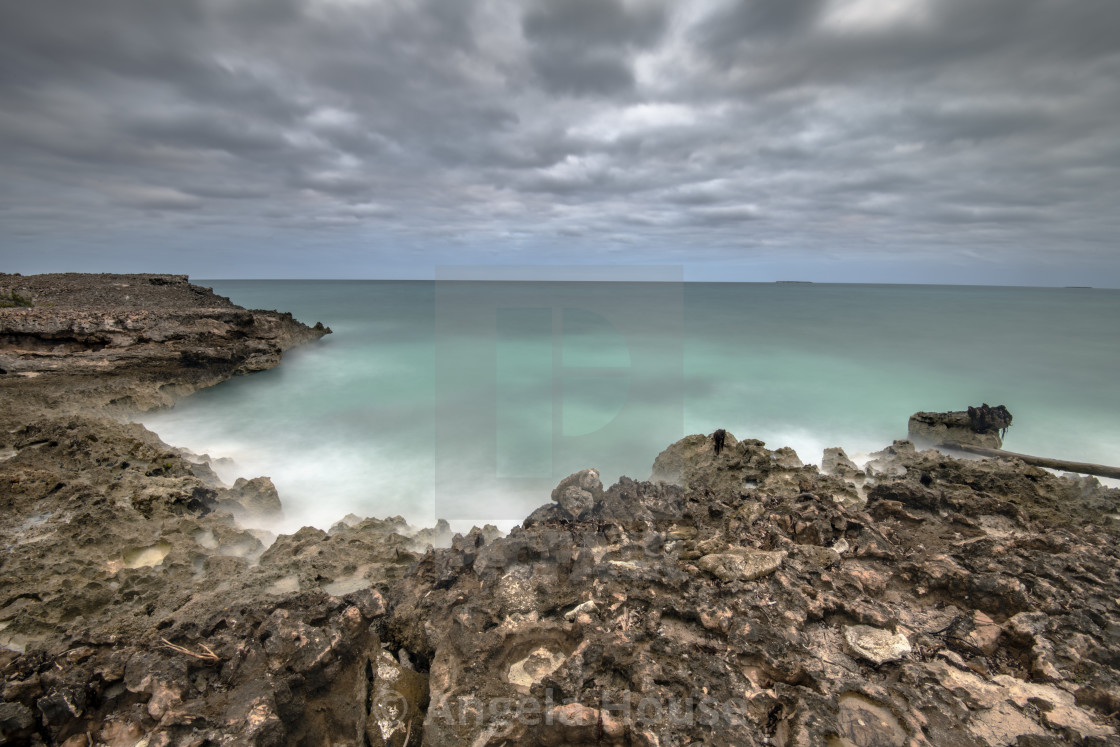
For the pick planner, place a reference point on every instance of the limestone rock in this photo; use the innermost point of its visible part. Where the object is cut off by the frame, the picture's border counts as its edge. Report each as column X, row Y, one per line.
column 876, row 645
column 836, row 462
column 786, row 458
column 862, row 721
column 131, row 342
column 16, row 721
column 977, row 426
column 576, row 494
column 742, row 563
column 133, row 613
column 257, row 497
column 817, row 556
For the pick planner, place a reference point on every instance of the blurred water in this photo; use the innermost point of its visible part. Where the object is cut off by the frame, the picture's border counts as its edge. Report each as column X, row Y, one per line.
column 408, row 409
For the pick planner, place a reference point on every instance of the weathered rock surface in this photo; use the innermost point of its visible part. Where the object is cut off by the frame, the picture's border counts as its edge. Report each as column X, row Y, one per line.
column 741, row 563
column 835, row 461
column 130, row 342
column 133, row 608
column 737, row 598
column 876, row 645
column 921, row 618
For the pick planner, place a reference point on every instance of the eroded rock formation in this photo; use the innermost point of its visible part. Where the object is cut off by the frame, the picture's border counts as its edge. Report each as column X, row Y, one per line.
column 738, row 597
column 132, row 342
column 752, row 602
column 977, row 426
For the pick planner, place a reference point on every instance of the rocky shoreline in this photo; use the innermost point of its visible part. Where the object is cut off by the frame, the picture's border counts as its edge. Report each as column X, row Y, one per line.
column 738, row 597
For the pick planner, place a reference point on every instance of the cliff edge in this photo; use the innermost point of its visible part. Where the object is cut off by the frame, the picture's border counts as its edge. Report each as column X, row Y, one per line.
column 128, row 342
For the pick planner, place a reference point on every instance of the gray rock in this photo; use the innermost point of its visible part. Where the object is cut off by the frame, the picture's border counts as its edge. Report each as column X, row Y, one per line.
column 786, row 458
column 16, row 720
column 972, row 427
column 836, row 462
column 876, row 645
column 578, row 492
column 257, row 497
column 742, row 563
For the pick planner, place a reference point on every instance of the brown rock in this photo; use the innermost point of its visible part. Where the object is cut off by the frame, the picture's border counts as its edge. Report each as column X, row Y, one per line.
column 741, row 563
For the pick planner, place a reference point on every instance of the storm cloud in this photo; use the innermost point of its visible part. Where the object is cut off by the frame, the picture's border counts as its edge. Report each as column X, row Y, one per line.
column 908, row 140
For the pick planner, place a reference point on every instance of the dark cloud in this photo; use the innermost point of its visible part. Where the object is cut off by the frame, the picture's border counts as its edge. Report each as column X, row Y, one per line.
column 743, row 23
column 215, row 129
column 594, row 23
column 583, row 72
column 586, row 46
column 706, row 132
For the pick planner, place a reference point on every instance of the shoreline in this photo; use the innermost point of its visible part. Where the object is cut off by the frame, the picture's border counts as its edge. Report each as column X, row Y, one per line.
column 920, row 600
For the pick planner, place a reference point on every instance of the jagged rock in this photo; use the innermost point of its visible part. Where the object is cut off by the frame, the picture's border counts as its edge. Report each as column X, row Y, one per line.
column 987, row 419
column 836, row 462
column 578, row 492
column 132, row 611
column 786, row 458
column 822, row 557
column 256, row 497
column 985, row 634
column 516, row 621
column 130, row 342
column 693, row 464
column 16, row 722
column 891, row 461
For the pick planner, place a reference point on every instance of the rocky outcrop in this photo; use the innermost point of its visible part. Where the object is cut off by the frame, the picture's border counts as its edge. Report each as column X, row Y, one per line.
column 835, row 461
column 978, row 426
column 130, row 342
column 738, row 597
column 133, row 607
column 751, row 603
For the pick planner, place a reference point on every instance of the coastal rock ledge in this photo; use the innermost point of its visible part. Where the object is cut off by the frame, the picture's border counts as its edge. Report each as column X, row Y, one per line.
column 129, row 342
column 738, row 597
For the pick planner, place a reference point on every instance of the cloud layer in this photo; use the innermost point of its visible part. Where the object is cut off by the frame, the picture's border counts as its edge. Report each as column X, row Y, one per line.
column 956, row 137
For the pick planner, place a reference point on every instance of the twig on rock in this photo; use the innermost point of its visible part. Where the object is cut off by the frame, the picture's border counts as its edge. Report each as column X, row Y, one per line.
column 208, row 656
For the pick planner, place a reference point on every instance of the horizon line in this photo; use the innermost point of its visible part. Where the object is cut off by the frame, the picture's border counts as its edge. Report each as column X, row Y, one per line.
column 593, row 280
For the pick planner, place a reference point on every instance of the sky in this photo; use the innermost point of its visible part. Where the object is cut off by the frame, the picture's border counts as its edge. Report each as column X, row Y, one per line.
column 942, row 141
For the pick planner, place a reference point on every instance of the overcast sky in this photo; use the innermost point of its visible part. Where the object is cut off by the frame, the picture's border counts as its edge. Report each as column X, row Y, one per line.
column 967, row 141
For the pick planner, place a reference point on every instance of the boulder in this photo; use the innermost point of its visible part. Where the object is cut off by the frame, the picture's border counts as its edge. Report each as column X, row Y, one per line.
column 836, row 462
column 256, row 497
column 876, row 645
column 578, row 492
column 742, row 563
column 976, row 426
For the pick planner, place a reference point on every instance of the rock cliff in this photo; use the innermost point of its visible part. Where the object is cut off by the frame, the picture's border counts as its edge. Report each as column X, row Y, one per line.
column 130, row 342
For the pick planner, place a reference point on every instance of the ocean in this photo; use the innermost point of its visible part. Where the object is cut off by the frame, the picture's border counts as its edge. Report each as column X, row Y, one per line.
column 470, row 400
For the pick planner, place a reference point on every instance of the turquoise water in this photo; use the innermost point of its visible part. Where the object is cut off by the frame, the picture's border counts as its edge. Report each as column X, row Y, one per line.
column 470, row 400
